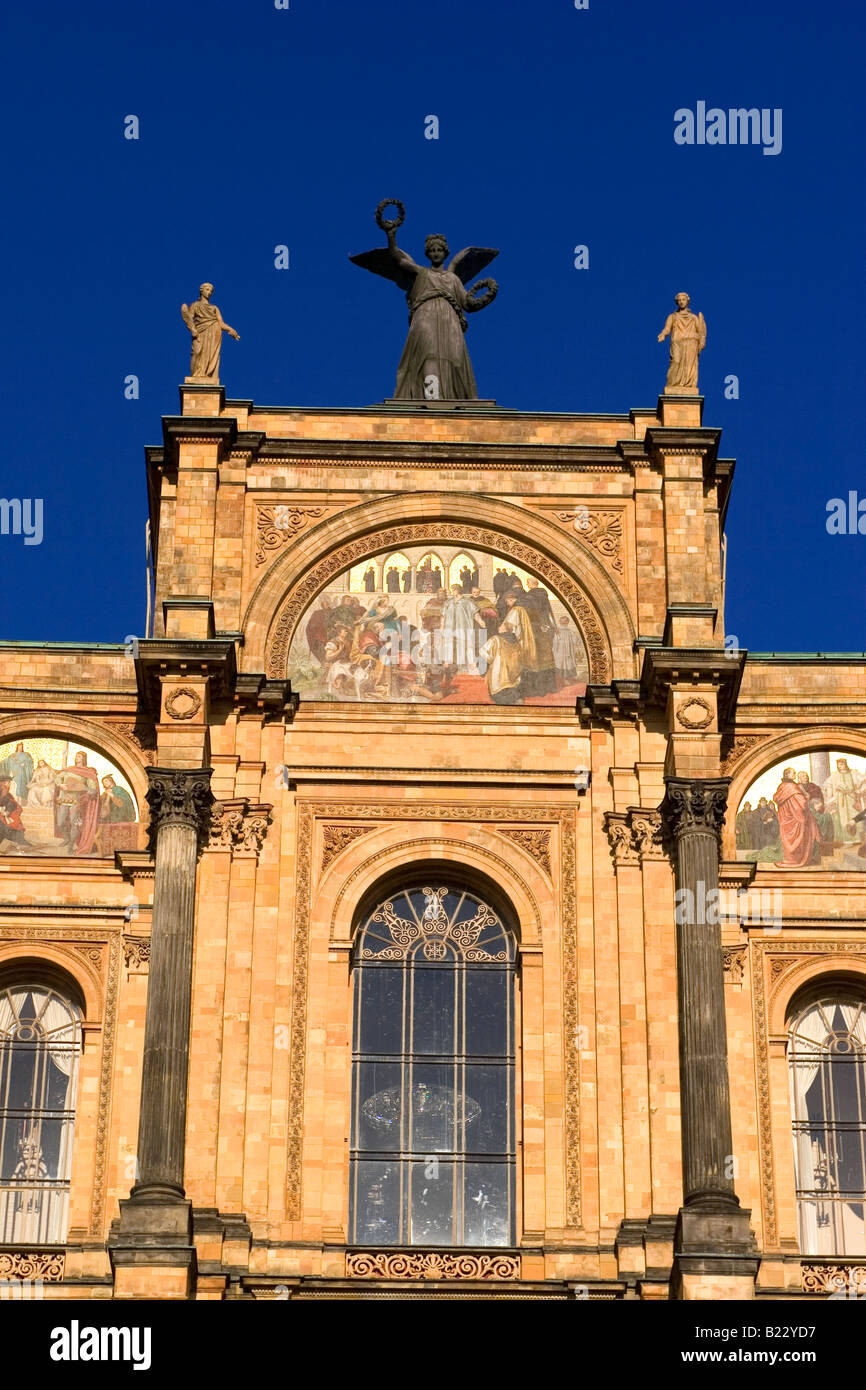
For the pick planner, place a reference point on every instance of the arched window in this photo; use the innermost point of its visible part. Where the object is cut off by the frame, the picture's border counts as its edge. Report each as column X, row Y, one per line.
column 40, row 1042
column 827, row 1054
column 432, row 1145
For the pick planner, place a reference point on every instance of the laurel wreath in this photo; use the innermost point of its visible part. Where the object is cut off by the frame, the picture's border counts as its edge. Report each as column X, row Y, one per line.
column 475, row 301
column 390, row 224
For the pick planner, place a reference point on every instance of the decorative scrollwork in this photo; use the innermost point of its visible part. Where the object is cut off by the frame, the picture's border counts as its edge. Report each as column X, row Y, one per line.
column 275, row 526
column 848, row 1280
column 432, row 1264
column 239, row 826
column 535, row 842
column 136, row 951
column 435, row 929
column 336, row 838
column 47, row 1266
column 602, row 531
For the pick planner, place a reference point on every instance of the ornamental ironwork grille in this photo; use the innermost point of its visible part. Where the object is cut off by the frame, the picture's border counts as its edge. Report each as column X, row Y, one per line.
column 432, row 1158
column 827, row 1056
column 40, row 1043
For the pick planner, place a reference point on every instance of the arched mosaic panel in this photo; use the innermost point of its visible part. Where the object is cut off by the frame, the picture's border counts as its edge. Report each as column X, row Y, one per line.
column 392, row 628
column 806, row 812
column 61, row 797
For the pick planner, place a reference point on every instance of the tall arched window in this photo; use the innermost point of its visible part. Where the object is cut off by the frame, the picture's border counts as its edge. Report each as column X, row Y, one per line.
column 432, row 1145
column 40, row 1042
column 827, row 1051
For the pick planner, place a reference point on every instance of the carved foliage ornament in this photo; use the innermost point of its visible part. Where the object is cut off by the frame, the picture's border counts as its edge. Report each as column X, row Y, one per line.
column 394, row 537
column 601, row 531
column 734, row 963
column 136, row 951
column 535, row 842
column 695, row 806
column 634, row 835
column 841, row 1278
column 239, row 825
column 275, row 527
column 179, row 797
column 45, row 1266
column 695, row 713
column 336, row 838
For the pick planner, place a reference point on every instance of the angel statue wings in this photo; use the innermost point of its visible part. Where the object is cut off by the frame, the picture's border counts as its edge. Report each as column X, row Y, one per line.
column 435, row 364
column 205, row 323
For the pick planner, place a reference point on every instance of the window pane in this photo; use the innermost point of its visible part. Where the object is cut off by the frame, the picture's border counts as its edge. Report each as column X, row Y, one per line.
column 380, row 1111
column 432, row 1203
column 377, row 1203
column 486, row 1203
column 486, row 1109
column 487, row 1012
column 434, row 1109
column 433, row 1010
column 381, row 1007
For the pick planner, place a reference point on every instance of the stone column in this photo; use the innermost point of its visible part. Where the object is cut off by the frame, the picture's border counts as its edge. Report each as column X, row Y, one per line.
column 151, row 1243
column 180, row 805
column 713, row 1243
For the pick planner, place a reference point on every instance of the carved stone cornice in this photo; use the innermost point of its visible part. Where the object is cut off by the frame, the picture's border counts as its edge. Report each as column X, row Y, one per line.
column 239, row 825
column 661, row 442
column 212, row 659
column 621, row 700
column 179, row 796
column 272, row 700
column 664, row 667
column 695, row 806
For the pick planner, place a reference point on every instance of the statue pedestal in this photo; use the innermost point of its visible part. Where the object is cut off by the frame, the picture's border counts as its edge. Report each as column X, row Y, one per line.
column 393, row 403
column 201, row 396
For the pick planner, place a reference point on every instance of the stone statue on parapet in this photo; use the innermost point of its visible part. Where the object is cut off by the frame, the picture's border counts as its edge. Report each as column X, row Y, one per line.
column 688, row 334
column 435, row 363
column 205, row 323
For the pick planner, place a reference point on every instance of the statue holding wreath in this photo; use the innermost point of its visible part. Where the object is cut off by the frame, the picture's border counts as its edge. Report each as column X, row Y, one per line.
column 435, row 364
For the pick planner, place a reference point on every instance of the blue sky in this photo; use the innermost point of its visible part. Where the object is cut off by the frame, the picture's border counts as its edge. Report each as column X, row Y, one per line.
column 261, row 127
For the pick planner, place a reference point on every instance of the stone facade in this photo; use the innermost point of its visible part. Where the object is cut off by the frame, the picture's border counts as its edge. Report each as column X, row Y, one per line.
column 221, row 1170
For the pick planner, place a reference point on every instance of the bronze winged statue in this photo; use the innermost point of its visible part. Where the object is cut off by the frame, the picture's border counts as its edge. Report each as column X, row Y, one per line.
column 435, row 364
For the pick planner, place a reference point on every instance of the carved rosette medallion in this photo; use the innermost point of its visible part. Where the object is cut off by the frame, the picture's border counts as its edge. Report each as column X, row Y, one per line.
column 432, row 1264
column 695, row 806
column 179, row 797
column 183, row 703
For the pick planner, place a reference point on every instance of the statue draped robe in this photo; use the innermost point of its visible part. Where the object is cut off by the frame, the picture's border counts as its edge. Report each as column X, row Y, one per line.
column 207, row 343
column 436, row 344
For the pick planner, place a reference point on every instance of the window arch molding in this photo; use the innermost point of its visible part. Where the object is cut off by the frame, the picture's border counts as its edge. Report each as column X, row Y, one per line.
column 826, row 1056
column 41, row 1045
column 809, row 979
column 434, row 1123
column 64, row 971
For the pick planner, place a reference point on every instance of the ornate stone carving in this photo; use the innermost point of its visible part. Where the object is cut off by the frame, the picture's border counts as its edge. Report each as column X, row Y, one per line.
column 695, row 713
column 136, row 952
column 92, row 954
column 336, row 838
column 738, row 749
column 179, row 797
column 836, row 1278
column 634, row 835
column 619, row 833
column 433, row 1264
column 571, row 1064
column 239, row 825
column 183, row 703
column 695, row 805
column 535, row 842
column 277, row 525
column 734, row 963
column 46, row 1266
column 601, row 531
column 141, row 736
column 317, row 578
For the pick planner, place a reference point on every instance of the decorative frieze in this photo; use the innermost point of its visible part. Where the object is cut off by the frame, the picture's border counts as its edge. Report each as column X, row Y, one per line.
column 136, row 952
column 430, row 1264
column 842, row 1279
column 45, row 1266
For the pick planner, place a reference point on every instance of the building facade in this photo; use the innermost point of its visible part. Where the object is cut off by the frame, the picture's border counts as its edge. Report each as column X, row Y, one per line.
column 437, row 904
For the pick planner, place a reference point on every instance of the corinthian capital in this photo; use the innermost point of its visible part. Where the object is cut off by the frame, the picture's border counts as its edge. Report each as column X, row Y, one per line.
column 694, row 806
column 177, row 796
